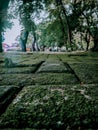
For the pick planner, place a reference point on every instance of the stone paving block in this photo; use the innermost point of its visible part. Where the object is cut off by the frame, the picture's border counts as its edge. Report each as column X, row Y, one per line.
column 7, row 93
column 26, row 59
column 17, row 79
column 18, row 70
column 2, row 64
column 52, row 96
column 29, row 63
column 38, row 78
column 87, row 73
column 55, row 78
column 49, row 106
column 56, row 66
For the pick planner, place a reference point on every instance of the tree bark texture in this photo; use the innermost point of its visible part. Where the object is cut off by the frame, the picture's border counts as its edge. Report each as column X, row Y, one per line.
column 60, row 3
column 23, row 39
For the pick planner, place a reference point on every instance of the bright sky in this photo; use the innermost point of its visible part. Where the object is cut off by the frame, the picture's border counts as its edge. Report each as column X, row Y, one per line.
column 10, row 35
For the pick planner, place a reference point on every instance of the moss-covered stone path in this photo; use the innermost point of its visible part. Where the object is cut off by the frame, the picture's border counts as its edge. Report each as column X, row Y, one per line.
column 49, row 91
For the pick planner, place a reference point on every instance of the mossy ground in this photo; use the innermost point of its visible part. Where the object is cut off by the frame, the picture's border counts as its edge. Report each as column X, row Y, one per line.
column 56, row 91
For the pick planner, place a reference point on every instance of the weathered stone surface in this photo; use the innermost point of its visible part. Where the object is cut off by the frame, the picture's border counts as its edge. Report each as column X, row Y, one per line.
column 57, row 67
column 17, row 70
column 87, row 73
column 50, row 106
column 49, row 91
column 6, row 96
column 38, row 78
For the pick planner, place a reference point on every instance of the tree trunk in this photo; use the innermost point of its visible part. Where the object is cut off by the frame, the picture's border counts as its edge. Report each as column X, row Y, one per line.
column 87, row 41
column 64, row 31
column 34, row 42
column 3, row 7
column 70, row 37
column 1, row 50
column 87, row 46
column 60, row 3
column 23, row 40
column 95, row 38
column 95, row 48
column 94, row 34
column 81, row 40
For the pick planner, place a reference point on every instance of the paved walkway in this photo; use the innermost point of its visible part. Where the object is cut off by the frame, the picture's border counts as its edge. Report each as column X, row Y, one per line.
column 29, row 81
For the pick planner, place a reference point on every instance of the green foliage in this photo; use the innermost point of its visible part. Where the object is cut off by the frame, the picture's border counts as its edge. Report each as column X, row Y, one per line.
column 51, row 33
column 86, row 18
column 63, row 19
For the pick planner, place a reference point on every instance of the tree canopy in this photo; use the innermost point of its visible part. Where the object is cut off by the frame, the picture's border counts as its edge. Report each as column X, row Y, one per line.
column 62, row 22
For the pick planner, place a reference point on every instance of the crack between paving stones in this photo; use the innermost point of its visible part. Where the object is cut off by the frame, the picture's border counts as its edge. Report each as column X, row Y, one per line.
column 70, row 70
column 6, row 103
column 73, row 72
column 38, row 66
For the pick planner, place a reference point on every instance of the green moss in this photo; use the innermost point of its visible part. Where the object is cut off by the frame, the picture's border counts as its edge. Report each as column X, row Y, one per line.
column 55, row 78
column 52, row 97
column 88, row 73
column 3, row 91
column 17, row 79
column 6, row 96
column 51, row 107
column 56, row 67
column 40, row 78
column 17, row 70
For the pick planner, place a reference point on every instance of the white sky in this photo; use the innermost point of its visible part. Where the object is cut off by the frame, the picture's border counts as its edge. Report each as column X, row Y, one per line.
column 10, row 35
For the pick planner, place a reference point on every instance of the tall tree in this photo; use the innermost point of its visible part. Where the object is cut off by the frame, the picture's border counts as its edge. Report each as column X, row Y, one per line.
column 3, row 12
column 23, row 40
column 89, row 12
column 69, row 19
column 63, row 10
column 27, row 11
